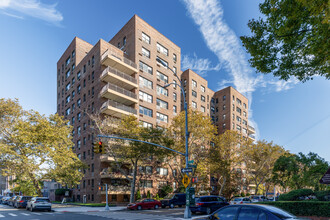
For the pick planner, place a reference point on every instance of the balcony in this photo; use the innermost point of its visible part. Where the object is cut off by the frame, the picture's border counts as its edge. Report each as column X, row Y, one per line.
column 114, row 174
column 116, row 109
column 105, row 158
column 116, row 190
column 118, row 94
column 114, row 76
column 251, row 130
column 111, row 58
column 251, row 136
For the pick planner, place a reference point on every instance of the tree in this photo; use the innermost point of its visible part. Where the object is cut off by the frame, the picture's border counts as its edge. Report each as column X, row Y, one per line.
column 201, row 133
column 224, row 158
column 34, row 147
column 128, row 155
column 259, row 159
column 292, row 39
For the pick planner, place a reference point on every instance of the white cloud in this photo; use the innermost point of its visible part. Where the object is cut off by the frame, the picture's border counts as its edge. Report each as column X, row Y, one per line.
column 33, row 8
column 199, row 65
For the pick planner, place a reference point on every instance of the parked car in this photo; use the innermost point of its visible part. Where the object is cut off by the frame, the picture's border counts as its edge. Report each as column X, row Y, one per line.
column 12, row 200
column 5, row 200
column 39, row 203
column 208, row 204
column 21, row 201
column 251, row 212
column 1, row 199
column 144, row 204
column 172, row 200
column 258, row 198
column 240, row 200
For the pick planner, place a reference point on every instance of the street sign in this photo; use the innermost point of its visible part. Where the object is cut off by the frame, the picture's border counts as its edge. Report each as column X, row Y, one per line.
column 326, row 178
column 192, row 166
column 190, row 161
column 185, row 180
column 187, row 170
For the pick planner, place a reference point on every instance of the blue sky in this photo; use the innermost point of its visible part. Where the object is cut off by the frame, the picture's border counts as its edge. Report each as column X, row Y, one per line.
column 35, row 34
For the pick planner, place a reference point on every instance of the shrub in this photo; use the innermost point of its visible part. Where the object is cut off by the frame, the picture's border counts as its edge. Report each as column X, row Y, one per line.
column 303, row 208
column 60, row 192
column 323, row 195
column 242, row 194
column 294, row 195
column 165, row 190
column 148, row 194
column 138, row 195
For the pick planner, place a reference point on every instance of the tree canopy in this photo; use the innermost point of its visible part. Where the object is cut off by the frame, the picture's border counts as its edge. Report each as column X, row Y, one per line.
column 291, row 40
column 34, row 147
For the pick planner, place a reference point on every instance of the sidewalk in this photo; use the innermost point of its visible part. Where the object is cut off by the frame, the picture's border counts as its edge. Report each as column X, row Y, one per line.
column 87, row 209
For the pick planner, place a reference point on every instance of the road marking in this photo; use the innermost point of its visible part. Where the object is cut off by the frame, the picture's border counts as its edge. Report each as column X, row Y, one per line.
column 25, row 214
column 12, row 214
column 36, row 213
column 2, row 216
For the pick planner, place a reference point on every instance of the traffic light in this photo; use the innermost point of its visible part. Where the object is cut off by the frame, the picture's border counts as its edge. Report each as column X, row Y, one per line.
column 98, row 147
column 194, row 179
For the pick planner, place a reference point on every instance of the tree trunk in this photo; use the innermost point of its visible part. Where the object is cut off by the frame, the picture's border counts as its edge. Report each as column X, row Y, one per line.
column 222, row 186
column 132, row 197
column 257, row 187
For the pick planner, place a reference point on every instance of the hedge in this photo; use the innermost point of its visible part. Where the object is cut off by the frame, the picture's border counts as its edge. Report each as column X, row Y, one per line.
column 295, row 194
column 303, row 208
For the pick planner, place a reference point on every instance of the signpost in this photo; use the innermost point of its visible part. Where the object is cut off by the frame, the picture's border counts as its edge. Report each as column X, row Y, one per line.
column 187, row 170
column 185, row 180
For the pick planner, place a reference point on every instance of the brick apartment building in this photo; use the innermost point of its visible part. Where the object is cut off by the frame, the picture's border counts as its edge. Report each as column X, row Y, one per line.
column 122, row 77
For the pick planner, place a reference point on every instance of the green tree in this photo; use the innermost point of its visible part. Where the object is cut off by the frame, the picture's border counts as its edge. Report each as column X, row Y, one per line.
column 291, row 40
column 224, row 158
column 128, row 155
column 34, row 147
column 201, row 133
column 259, row 159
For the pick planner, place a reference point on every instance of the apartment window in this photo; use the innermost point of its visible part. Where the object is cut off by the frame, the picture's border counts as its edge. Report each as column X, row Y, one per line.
column 118, row 45
column 73, row 80
column 67, row 74
column 238, row 110
column 224, row 107
column 124, row 41
column 84, row 97
column 145, row 97
column 223, row 117
column 67, row 111
column 145, row 52
column 238, row 128
column 163, row 62
column 216, row 100
column 239, row 102
column 79, row 102
column 143, row 82
column 174, row 96
column 194, row 93
column 67, row 100
column 244, row 130
column 174, row 84
column 92, row 91
column 148, row 170
column 78, row 130
column 162, row 90
column 145, row 38
column 67, row 61
column 238, row 119
column 212, row 109
column 145, row 67
column 78, row 116
column 224, row 98
column 162, row 117
column 174, row 109
column 224, row 125
column 72, row 120
column 162, row 77
column 216, row 109
column 78, row 144
column 244, row 122
column 202, row 109
column 85, row 68
column 162, row 49
column 93, row 75
column 78, row 75
column 73, row 53
column 162, row 104
column 233, row 117
column 244, row 113
column 174, row 57
column 162, row 171
column 84, row 157
column 194, row 83
column 67, row 87
column 73, row 66
column 212, row 100
column 146, row 183
column 84, row 83
column 203, row 98
column 233, row 125
column 202, row 88
column 145, row 111
column 244, row 105
column 93, row 60
column 194, row 104
column 233, row 107
column 174, row 69
column 146, row 124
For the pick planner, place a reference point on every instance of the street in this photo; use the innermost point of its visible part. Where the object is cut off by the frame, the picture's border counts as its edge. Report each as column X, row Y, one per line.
column 7, row 212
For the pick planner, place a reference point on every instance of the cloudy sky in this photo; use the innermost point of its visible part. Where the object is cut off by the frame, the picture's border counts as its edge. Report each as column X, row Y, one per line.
column 35, row 34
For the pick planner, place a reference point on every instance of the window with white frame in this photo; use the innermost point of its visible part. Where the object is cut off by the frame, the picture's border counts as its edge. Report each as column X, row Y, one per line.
column 145, row 67
column 145, row 52
column 162, row 49
column 162, row 77
column 174, row 109
column 67, row 100
column 145, row 124
column 163, row 62
column 202, row 109
column 174, row 84
column 162, row 91
column 162, row 171
column 238, row 127
column 67, row 87
column 67, row 61
column 174, row 96
column 145, row 38
column 143, row 82
column 67, row 111
column 145, row 111
column 203, row 98
column 162, row 117
column 174, row 57
column 194, row 93
column 202, row 88
column 67, row 74
column 162, row 104
column 194, row 83
column 194, row 104
column 145, row 96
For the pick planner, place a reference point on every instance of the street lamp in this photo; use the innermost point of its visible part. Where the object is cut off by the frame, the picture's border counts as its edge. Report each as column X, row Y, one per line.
column 187, row 213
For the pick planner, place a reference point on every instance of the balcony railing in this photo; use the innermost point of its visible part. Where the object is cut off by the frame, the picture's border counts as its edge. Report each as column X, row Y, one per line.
column 251, row 128
column 113, row 53
column 118, row 89
column 252, row 136
column 119, row 106
column 118, row 73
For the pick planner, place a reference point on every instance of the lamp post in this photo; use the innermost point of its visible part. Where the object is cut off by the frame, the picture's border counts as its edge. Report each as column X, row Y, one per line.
column 187, row 213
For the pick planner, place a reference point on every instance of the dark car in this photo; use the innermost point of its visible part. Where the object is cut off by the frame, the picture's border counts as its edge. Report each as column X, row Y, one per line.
column 208, row 204
column 172, row 200
column 1, row 199
column 12, row 200
column 21, row 201
column 250, row 212
column 144, row 204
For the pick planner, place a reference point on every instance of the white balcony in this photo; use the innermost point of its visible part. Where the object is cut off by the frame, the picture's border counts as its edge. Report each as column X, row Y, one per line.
column 118, row 94
column 117, row 109
column 114, row 76
column 113, row 59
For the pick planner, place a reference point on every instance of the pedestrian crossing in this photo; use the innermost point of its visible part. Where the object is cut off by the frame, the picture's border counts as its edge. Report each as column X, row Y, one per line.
column 130, row 216
column 4, row 215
